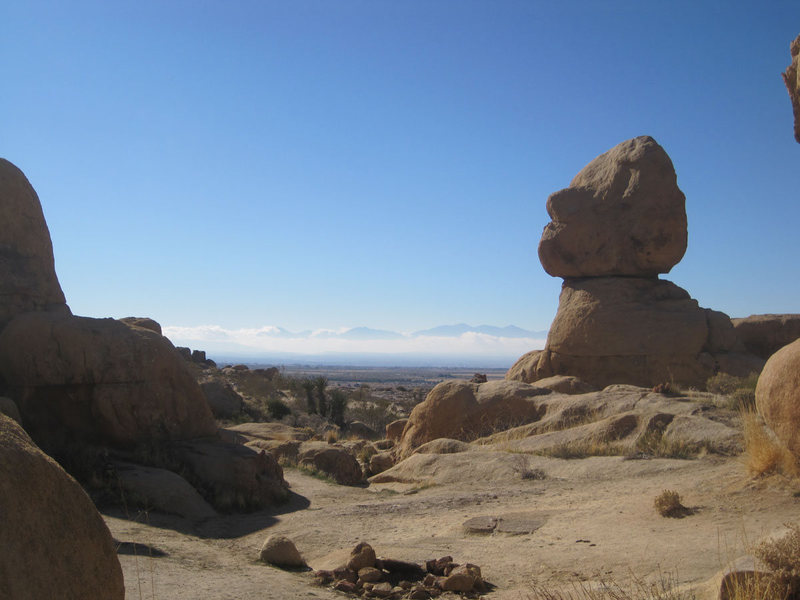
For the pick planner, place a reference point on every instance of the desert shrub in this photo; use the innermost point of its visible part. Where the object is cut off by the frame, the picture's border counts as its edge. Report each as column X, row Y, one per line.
column 331, row 436
column 740, row 390
column 580, row 449
column 655, row 444
column 277, row 408
column 782, row 556
column 311, row 402
column 668, row 504
column 764, row 453
column 320, row 383
column 375, row 412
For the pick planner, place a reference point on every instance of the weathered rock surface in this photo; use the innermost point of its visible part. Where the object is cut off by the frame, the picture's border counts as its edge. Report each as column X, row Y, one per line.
column 53, row 542
column 394, row 430
column 225, row 402
column 361, row 430
column 9, row 408
column 162, row 490
column 280, row 551
column 331, row 460
column 633, row 330
column 565, row 384
column 778, row 395
column 231, row 476
column 464, row 410
column 763, row 335
column 28, row 279
column 791, row 77
column 143, row 322
column 99, row 381
column 623, row 214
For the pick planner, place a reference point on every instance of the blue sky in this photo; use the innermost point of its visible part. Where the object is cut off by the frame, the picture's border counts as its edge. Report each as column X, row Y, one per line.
column 327, row 164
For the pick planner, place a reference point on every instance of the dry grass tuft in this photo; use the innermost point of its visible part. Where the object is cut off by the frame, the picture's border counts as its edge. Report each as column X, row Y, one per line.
column 668, row 504
column 331, row 436
column 782, row 556
column 764, row 453
column 665, row 587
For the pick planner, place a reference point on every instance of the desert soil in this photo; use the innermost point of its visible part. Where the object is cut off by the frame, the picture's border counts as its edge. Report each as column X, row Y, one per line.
column 587, row 519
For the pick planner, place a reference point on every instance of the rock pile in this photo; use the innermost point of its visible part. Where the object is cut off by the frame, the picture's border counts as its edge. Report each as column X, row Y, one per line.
column 792, row 80
column 619, row 225
column 369, row 576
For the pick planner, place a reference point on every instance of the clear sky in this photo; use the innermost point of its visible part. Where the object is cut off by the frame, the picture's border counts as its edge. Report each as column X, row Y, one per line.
column 326, row 164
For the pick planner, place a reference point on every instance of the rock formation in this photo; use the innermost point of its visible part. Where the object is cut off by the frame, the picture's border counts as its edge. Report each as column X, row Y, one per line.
column 621, row 222
column 792, row 80
column 99, row 381
column 464, row 410
column 53, row 542
column 81, row 384
column 27, row 269
column 763, row 335
column 778, row 395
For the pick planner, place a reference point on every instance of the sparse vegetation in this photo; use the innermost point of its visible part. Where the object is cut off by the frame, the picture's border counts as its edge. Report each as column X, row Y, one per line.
column 668, row 504
column 764, row 453
column 277, row 408
column 741, row 391
column 665, row 587
column 656, row 445
column 782, row 556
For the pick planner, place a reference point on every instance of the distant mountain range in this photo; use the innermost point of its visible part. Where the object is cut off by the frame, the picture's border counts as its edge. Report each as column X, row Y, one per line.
column 367, row 333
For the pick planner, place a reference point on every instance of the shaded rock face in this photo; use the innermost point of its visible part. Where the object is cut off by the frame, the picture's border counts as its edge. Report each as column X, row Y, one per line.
column 778, row 395
column 53, row 541
column 28, row 279
column 791, row 77
column 623, row 214
column 99, row 381
column 621, row 223
column 464, row 410
column 763, row 335
column 225, row 402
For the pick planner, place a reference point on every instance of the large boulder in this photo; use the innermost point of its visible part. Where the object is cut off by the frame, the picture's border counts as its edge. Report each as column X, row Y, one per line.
column 464, row 411
column 232, row 477
column 98, row 381
column 763, row 335
column 53, row 542
column 778, row 395
column 641, row 331
column 792, row 80
column 330, row 460
column 225, row 402
column 623, row 214
column 144, row 323
column 28, row 279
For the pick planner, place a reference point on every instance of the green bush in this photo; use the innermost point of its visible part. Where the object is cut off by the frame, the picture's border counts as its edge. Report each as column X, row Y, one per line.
column 277, row 408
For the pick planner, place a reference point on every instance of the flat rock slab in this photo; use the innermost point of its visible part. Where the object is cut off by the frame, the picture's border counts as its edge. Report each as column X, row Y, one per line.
column 511, row 523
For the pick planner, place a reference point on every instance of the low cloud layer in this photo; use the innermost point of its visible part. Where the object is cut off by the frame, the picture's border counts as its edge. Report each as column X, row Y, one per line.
column 275, row 341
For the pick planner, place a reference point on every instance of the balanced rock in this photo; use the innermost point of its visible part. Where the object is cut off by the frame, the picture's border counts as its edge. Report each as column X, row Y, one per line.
column 53, row 542
column 623, row 214
column 621, row 223
column 778, row 395
column 99, row 381
column 28, row 279
column 464, row 410
column 792, row 80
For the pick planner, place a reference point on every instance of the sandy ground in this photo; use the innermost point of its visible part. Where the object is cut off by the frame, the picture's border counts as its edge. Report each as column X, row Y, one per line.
column 595, row 515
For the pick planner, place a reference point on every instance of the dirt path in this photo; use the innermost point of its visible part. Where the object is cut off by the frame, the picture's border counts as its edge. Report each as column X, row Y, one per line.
column 588, row 519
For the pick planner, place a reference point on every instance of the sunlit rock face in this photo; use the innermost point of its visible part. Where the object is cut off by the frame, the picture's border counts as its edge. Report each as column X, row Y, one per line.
column 792, row 80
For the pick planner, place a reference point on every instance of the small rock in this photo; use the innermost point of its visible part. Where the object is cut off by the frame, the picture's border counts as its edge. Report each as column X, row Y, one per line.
column 436, row 566
column 370, row 575
column 345, row 586
column 419, row 593
column 430, row 580
column 361, row 556
column 280, row 551
column 483, row 525
column 345, row 574
column 323, row 577
column 382, row 590
column 458, row 581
